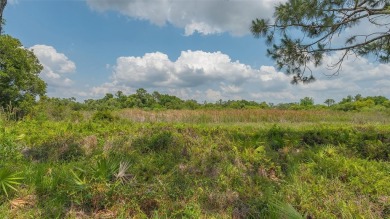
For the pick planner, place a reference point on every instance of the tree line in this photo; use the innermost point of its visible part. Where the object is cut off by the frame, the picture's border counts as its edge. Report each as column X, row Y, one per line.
column 142, row 99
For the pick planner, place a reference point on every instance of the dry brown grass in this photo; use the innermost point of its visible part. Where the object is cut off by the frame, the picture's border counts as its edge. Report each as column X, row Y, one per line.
column 23, row 202
column 253, row 116
column 89, row 144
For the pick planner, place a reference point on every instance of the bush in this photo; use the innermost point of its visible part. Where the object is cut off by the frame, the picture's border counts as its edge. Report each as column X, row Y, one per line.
column 375, row 149
column 9, row 150
column 76, row 116
column 314, row 137
column 60, row 148
column 105, row 115
column 155, row 142
column 275, row 138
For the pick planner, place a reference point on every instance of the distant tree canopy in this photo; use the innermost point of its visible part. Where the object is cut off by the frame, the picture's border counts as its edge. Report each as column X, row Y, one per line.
column 304, row 30
column 329, row 102
column 141, row 99
column 19, row 70
column 155, row 100
column 307, row 101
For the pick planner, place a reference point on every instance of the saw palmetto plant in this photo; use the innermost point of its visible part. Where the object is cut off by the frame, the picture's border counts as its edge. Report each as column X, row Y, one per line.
column 9, row 180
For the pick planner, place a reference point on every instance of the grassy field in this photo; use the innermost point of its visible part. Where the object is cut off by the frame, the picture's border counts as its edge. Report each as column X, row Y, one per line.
column 196, row 164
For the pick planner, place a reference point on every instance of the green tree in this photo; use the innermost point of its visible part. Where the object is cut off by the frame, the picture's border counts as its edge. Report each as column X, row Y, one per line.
column 378, row 100
column 20, row 84
column 121, row 97
column 170, row 102
column 307, row 101
column 119, row 94
column 348, row 99
column 329, row 102
column 358, row 97
column 304, row 30
column 132, row 101
column 108, row 96
column 360, row 104
column 146, row 99
column 156, row 96
column 193, row 104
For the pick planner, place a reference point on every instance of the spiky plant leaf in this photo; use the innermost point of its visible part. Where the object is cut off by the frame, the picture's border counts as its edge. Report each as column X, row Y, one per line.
column 122, row 176
column 280, row 209
column 9, row 179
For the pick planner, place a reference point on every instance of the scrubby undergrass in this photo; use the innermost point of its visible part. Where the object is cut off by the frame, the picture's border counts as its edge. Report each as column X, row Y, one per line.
column 254, row 116
column 110, row 166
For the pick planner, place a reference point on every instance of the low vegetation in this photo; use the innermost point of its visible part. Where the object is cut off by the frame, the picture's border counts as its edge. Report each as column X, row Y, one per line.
column 204, row 163
column 157, row 156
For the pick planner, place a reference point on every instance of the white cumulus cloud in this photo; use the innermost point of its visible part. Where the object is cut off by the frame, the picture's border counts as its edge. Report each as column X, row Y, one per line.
column 55, row 67
column 194, row 75
column 191, row 69
column 210, row 76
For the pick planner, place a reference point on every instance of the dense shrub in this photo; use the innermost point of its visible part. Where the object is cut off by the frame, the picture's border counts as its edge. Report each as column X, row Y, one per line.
column 316, row 137
column 275, row 137
column 105, row 115
column 9, row 150
column 159, row 141
column 374, row 149
column 59, row 148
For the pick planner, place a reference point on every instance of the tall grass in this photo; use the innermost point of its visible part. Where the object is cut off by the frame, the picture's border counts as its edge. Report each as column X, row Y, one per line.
column 254, row 116
column 199, row 164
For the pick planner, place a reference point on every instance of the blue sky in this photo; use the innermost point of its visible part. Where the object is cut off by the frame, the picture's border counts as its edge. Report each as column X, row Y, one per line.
column 194, row 49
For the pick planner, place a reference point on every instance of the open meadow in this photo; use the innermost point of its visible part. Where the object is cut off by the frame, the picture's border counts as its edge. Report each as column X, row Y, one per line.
column 195, row 109
column 249, row 163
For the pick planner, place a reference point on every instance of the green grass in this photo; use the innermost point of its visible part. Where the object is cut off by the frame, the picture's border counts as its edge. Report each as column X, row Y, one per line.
column 306, row 164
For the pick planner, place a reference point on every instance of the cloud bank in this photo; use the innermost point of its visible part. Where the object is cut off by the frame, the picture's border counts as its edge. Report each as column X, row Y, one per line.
column 212, row 76
column 191, row 69
column 204, row 17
